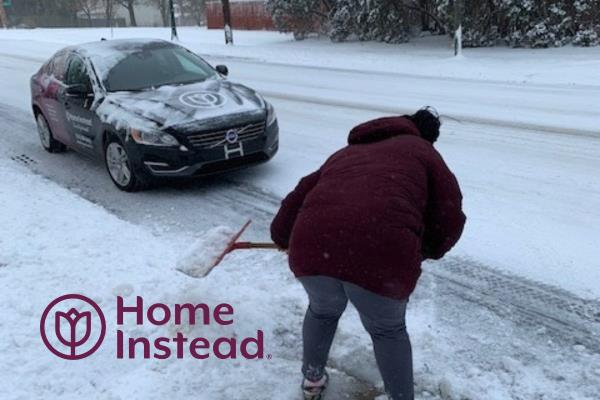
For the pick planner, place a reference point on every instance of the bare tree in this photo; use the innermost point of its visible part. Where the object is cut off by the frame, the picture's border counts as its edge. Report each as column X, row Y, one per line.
column 109, row 11
column 88, row 7
column 163, row 7
column 130, row 6
column 194, row 9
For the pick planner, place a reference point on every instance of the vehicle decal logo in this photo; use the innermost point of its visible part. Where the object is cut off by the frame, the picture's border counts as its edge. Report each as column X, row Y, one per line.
column 75, row 119
column 201, row 99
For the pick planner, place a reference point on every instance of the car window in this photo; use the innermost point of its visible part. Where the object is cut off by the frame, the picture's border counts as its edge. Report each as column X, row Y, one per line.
column 57, row 66
column 77, row 72
column 188, row 65
column 153, row 67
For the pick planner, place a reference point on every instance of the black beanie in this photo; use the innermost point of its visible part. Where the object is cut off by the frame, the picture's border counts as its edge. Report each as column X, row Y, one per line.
column 427, row 122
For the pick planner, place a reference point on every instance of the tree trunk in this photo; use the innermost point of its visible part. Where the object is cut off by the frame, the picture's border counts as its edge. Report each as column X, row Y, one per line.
column 3, row 18
column 174, row 35
column 458, row 20
column 131, row 9
column 227, row 22
column 162, row 5
column 424, row 4
column 109, row 12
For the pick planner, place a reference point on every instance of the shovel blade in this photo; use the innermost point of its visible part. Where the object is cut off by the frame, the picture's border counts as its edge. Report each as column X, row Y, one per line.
column 210, row 251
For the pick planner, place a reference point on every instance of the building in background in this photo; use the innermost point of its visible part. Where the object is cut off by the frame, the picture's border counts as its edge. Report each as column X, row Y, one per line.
column 245, row 14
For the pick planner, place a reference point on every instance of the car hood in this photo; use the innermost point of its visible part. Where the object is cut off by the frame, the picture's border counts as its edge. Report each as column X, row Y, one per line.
column 181, row 105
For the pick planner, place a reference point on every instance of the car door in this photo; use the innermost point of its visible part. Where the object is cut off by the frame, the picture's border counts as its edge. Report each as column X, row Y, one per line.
column 52, row 91
column 81, row 120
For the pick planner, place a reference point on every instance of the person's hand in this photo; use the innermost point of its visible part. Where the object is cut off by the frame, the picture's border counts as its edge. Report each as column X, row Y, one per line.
column 283, row 250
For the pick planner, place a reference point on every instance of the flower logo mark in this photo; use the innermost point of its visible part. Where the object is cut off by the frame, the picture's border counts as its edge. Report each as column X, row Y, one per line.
column 72, row 318
column 202, row 99
column 74, row 334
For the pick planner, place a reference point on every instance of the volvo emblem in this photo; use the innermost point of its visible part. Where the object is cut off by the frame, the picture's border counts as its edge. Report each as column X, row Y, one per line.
column 231, row 136
column 202, row 99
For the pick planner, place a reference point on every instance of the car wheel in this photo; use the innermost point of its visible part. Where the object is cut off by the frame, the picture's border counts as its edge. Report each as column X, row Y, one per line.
column 119, row 167
column 50, row 144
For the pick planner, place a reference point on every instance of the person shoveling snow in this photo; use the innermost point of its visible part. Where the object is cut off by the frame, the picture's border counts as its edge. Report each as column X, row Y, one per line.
column 358, row 229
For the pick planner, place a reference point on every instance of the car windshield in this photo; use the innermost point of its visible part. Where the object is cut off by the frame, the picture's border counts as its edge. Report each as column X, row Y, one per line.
column 153, row 67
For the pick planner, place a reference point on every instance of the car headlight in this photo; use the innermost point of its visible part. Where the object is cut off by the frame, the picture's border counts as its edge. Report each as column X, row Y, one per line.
column 271, row 116
column 153, row 138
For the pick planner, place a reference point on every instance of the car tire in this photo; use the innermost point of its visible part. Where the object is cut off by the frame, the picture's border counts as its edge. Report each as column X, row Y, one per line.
column 47, row 140
column 119, row 168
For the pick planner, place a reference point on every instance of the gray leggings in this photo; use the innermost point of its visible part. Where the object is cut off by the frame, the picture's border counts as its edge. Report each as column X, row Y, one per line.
column 382, row 317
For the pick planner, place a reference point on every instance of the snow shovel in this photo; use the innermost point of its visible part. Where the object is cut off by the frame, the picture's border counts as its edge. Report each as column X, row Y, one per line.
column 201, row 261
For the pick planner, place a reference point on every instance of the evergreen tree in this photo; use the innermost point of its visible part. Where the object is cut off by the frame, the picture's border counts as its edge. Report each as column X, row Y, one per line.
column 519, row 23
column 587, row 23
column 300, row 17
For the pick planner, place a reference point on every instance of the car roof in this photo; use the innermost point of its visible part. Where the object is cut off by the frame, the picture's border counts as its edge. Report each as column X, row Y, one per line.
column 102, row 47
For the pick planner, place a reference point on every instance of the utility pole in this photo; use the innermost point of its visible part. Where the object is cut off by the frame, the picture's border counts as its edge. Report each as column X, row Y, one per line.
column 173, row 22
column 458, row 19
column 227, row 22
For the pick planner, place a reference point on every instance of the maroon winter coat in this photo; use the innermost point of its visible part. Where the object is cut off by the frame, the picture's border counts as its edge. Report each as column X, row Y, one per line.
column 373, row 211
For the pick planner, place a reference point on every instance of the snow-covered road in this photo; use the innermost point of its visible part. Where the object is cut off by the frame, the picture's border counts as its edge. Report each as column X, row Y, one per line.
column 567, row 109
column 531, row 196
column 558, row 108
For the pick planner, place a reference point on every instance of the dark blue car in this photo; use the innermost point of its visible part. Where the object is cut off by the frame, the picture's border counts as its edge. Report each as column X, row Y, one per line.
column 150, row 109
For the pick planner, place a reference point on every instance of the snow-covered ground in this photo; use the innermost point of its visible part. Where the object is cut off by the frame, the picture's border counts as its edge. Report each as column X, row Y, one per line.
column 525, row 151
column 54, row 242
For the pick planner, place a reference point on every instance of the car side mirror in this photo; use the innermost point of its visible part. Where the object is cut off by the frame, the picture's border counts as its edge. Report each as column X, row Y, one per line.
column 77, row 90
column 222, row 69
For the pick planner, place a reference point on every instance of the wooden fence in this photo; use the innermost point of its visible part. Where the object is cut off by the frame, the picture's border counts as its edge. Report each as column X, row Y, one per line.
column 248, row 15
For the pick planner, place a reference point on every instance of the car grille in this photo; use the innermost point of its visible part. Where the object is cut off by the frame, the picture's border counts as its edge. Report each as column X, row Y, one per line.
column 208, row 139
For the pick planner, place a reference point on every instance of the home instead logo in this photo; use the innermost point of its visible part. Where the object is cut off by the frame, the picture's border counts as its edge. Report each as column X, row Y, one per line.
column 73, row 327
column 79, row 326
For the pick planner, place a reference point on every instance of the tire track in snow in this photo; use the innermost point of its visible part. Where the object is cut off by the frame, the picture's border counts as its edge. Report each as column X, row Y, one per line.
column 563, row 316
column 461, row 117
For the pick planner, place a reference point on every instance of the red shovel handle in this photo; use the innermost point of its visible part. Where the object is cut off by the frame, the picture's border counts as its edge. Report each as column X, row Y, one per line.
column 251, row 245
